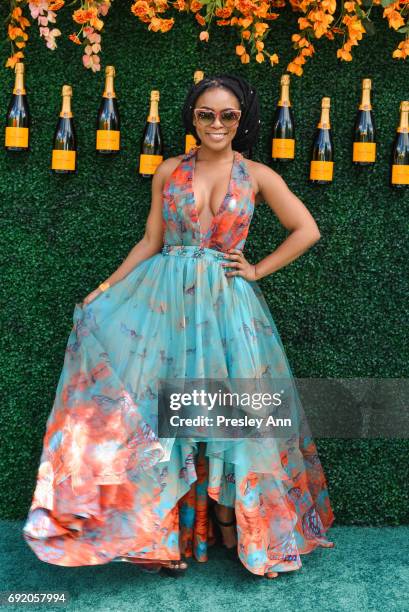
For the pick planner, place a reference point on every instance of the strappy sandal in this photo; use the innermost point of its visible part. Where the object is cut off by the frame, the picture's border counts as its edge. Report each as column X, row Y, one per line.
column 173, row 570
column 232, row 550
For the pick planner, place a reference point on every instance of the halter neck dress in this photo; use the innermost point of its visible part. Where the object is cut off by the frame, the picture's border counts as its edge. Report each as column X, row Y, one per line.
column 108, row 487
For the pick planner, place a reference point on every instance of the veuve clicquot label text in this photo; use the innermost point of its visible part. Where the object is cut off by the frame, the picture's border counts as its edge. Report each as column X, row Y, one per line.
column 364, row 145
column 400, row 149
column 322, row 159
column 108, row 120
column 18, row 115
column 149, row 163
column 283, row 140
column 64, row 153
column 151, row 149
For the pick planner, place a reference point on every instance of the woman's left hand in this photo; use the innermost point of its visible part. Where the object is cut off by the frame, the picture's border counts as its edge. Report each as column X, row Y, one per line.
column 242, row 266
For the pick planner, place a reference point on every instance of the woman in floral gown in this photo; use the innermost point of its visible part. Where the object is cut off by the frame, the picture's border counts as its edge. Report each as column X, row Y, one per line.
column 185, row 303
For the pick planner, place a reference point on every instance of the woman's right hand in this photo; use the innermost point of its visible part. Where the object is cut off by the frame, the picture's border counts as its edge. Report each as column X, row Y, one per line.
column 91, row 296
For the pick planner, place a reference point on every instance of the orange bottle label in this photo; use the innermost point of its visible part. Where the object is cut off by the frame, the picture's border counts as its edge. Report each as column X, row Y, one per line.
column 190, row 141
column 16, row 136
column 321, row 170
column 400, row 174
column 283, row 147
column 364, row 151
column 149, row 163
column 108, row 139
column 63, row 160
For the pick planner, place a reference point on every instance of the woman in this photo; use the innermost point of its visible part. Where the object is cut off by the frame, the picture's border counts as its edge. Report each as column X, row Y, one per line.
column 184, row 304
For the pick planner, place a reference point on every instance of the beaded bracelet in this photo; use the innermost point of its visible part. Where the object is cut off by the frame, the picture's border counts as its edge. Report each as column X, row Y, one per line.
column 104, row 286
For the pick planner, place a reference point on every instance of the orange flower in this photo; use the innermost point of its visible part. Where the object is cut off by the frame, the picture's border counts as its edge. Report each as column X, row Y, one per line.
column 56, row 5
column 84, row 15
column 343, row 54
column 245, row 33
column 74, row 39
column 222, row 22
column 244, row 23
column 167, row 24
column 200, row 19
column 223, row 12
column 274, row 58
column 395, row 19
column 260, row 58
column 295, row 69
column 260, row 29
column 245, row 58
column 304, row 23
column 16, row 14
column 204, row 35
column 12, row 61
column 195, row 6
column 140, row 8
column 259, row 45
column 240, row 50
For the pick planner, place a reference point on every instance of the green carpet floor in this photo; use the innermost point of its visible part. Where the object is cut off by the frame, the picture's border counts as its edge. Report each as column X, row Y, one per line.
column 367, row 570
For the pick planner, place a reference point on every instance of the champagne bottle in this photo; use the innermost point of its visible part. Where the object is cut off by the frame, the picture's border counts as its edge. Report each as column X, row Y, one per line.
column 400, row 150
column 364, row 145
column 18, row 115
column 283, row 140
column 108, row 121
column 151, row 149
column 322, row 158
column 64, row 155
column 190, row 140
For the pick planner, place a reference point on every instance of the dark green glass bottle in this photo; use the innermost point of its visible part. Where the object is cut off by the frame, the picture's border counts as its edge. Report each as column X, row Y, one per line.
column 18, row 119
column 64, row 154
column 283, row 139
column 151, row 148
column 322, row 155
column 364, row 144
column 399, row 177
column 108, row 121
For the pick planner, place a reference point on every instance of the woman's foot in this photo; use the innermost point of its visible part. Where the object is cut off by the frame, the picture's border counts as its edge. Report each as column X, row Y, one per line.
column 224, row 514
column 169, row 567
column 177, row 565
column 271, row 574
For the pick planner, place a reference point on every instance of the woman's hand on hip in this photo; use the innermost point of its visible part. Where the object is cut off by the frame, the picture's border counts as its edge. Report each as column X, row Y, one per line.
column 241, row 266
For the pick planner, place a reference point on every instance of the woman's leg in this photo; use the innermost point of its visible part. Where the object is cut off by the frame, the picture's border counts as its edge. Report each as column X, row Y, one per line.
column 225, row 514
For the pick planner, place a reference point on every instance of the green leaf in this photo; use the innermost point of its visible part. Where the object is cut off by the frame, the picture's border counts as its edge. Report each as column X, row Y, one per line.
column 386, row 3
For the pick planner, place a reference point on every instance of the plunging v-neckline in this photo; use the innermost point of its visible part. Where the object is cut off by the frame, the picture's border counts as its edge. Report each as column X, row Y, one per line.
column 221, row 207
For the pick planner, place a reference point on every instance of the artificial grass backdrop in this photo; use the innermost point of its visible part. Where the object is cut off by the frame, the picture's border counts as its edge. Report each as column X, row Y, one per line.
column 340, row 308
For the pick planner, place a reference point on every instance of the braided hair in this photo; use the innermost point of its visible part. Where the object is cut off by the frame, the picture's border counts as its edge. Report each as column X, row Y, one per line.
column 249, row 125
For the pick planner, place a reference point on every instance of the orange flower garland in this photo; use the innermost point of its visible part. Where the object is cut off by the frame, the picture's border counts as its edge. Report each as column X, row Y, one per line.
column 252, row 18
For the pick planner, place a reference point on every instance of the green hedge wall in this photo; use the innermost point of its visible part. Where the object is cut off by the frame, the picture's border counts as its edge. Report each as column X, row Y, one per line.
column 341, row 308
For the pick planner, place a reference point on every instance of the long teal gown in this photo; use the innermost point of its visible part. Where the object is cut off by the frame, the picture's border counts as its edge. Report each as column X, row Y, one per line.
column 108, row 488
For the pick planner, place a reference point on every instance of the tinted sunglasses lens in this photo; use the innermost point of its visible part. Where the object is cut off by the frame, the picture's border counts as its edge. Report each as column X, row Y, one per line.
column 205, row 117
column 229, row 118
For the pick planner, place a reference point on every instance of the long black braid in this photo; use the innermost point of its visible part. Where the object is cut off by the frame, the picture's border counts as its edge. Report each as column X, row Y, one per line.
column 249, row 126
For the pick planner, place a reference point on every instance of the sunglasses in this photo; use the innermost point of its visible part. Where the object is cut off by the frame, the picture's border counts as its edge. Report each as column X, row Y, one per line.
column 228, row 117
